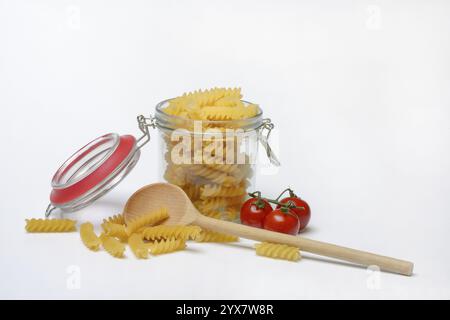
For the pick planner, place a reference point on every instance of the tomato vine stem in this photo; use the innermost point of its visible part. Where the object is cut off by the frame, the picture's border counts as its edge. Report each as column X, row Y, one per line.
column 291, row 193
column 287, row 205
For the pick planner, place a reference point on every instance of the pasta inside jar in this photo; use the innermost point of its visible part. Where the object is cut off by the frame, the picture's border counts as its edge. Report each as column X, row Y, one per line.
column 210, row 143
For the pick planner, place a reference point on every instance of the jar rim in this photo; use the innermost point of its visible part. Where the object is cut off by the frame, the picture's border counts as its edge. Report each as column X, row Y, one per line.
column 249, row 123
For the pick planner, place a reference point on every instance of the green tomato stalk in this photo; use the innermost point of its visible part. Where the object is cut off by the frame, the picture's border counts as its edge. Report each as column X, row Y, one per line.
column 288, row 205
column 291, row 193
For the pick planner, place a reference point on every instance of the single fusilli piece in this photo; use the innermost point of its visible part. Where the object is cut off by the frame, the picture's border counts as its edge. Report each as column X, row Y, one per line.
column 218, row 203
column 191, row 101
column 88, row 236
column 175, row 175
column 192, row 191
column 166, row 246
column 211, row 175
column 115, row 230
column 216, row 214
column 278, row 251
column 50, row 225
column 214, row 190
column 229, row 101
column 226, row 213
column 212, row 236
column 207, row 97
column 138, row 246
column 113, row 246
column 231, row 213
column 118, row 219
column 232, row 169
column 210, row 96
column 227, row 113
column 231, row 92
column 167, row 232
column 149, row 219
column 175, row 107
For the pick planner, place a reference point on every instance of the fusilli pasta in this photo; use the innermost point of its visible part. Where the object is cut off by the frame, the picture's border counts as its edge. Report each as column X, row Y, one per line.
column 229, row 101
column 215, row 190
column 192, row 191
column 212, row 236
column 113, row 246
column 88, row 236
column 216, row 203
column 278, row 251
column 148, row 219
column 231, row 213
column 166, row 246
column 115, row 230
column 118, row 219
column 138, row 246
column 50, row 225
column 226, row 113
column 224, row 169
column 211, row 175
column 167, row 232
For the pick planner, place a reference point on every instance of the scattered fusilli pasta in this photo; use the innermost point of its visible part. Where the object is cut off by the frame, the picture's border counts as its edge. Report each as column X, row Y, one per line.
column 278, row 251
column 118, row 219
column 212, row 236
column 138, row 246
column 167, row 232
column 166, row 246
column 115, row 230
column 50, row 225
column 113, row 246
column 88, row 236
column 148, row 219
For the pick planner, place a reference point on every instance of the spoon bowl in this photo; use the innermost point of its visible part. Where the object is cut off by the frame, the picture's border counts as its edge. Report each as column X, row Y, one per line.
column 158, row 195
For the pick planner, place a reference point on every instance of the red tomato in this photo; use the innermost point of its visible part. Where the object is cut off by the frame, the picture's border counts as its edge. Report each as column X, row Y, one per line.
column 253, row 213
column 282, row 220
column 303, row 215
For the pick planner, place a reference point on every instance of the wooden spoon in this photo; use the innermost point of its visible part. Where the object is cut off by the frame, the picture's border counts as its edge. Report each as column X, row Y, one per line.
column 183, row 212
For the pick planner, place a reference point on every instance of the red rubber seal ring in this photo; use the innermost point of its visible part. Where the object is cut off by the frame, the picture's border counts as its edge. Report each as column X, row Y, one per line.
column 126, row 146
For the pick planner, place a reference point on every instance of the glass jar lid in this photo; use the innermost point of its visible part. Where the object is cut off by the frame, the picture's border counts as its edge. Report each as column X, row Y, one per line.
column 92, row 171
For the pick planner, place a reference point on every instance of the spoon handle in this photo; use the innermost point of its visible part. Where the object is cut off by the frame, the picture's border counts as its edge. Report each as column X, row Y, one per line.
column 320, row 248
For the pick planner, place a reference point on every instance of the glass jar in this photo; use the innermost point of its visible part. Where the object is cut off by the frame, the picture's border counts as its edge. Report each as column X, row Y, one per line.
column 212, row 161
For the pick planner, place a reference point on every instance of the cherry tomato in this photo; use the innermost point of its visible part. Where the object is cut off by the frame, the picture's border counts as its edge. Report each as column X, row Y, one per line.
column 303, row 215
column 282, row 220
column 253, row 212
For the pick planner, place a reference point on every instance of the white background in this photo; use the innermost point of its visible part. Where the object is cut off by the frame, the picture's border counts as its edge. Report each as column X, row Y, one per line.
column 359, row 91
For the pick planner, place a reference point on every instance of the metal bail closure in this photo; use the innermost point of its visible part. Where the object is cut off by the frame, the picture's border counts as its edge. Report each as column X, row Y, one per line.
column 144, row 123
column 268, row 126
column 96, row 168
